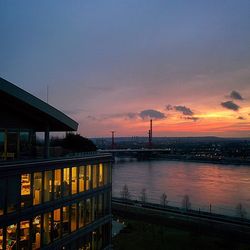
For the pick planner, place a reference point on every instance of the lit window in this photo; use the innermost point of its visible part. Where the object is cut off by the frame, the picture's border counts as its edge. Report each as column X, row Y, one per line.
column 57, row 184
column 36, row 232
column 57, row 224
column 37, row 188
column 81, row 178
column 47, row 188
column 11, row 237
column 95, row 177
column 88, row 177
column 100, row 174
column 74, row 180
column 24, row 234
column 66, row 182
column 65, row 222
column 1, row 238
column 73, row 217
column 46, row 228
column 26, row 198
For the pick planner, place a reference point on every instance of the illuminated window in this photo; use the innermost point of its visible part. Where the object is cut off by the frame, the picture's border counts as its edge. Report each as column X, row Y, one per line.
column 24, row 234
column 57, row 184
column 47, row 188
column 88, row 177
column 37, row 188
column 65, row 221
column 2, row 196
column 36, row 232
column 13, row 184
column 73, row 217
column 74, row 180
column 26, row 198
column 81, row 214
column 57, row 224
column 101, row 174
column 66, row 182
column 11, row 237
column 95, row 177
column 1, row 238
column 46, row 228
column 81, row 178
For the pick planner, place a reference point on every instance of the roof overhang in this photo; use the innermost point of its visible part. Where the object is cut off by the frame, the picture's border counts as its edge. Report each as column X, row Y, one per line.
column 31, row 112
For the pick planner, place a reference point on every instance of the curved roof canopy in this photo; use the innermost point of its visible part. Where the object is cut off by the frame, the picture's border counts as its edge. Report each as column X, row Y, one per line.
column 20, row 109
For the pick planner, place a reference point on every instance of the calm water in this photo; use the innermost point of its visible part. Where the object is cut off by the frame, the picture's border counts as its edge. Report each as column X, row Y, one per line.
column 222, row 186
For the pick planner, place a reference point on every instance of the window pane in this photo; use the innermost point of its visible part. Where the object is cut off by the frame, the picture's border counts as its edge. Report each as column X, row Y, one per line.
column 57, row 184
column 100, row 205
column 105, row 166
column 37, row 188
column 74, row 180
column 95, row 177
column 11, row 237
column 12, row 193
column 81, row 178
column 46, row 228
column 24, row 235
column 26, row 198
column 88, row 177
column 2, row 196
column 36, row 232
column 1, row 238
column 66, row 182
column 81, row 213
column 73, row 217
column 101, row 175
column 88, row 211
column 65, row 222
column 47, row 186
column 57, row 224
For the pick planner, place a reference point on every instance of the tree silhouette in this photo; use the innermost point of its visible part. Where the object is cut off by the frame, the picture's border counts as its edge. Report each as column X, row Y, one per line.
column 186, row 204
column 163, row 199
column 143, row 196
column 125, row 194
column 240, row 211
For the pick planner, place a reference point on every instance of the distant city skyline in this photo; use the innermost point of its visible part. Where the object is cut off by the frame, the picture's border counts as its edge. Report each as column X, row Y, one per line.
column 114, row 65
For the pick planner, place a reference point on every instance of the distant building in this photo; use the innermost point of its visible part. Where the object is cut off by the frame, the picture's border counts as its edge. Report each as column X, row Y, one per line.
column 62, row 203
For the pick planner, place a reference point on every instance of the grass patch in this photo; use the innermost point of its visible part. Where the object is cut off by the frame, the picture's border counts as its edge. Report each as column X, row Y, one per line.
column 139, row 235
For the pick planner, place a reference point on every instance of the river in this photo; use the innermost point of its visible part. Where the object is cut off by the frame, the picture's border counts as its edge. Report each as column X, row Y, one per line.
column 222, row 186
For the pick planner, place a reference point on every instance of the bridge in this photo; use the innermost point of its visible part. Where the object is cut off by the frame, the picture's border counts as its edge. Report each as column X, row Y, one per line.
column 140, row 153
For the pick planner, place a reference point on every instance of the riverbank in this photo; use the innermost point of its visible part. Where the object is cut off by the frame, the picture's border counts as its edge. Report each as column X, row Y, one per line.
column 140, row 235
column 188, row 158
column 147, row 228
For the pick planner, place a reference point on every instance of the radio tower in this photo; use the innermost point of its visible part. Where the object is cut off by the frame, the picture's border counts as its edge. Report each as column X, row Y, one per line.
column 113, row 140
column 150, row 134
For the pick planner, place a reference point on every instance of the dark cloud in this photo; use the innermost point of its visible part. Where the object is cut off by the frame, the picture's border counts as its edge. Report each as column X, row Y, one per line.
column 191, row 118
column 241, row 118
column 236, row 95
column 151, row 113
column 182, row 109
column 230, row 105
column 169, row 107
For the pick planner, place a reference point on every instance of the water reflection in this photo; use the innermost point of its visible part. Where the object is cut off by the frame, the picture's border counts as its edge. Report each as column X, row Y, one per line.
column 222, row 186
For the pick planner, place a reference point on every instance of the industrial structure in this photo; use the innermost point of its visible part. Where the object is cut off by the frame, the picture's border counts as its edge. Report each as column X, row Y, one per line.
column 59, row 203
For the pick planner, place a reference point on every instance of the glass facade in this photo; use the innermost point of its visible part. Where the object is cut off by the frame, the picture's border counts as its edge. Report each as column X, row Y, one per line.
column 21, row 192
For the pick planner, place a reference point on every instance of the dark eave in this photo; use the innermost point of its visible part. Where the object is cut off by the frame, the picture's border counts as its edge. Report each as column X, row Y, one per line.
column 33, row 110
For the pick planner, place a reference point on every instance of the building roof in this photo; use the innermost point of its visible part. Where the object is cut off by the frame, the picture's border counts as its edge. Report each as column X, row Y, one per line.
column 29, row 111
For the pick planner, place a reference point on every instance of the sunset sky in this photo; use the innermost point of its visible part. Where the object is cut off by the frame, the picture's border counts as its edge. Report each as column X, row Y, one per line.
column 114, row 64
